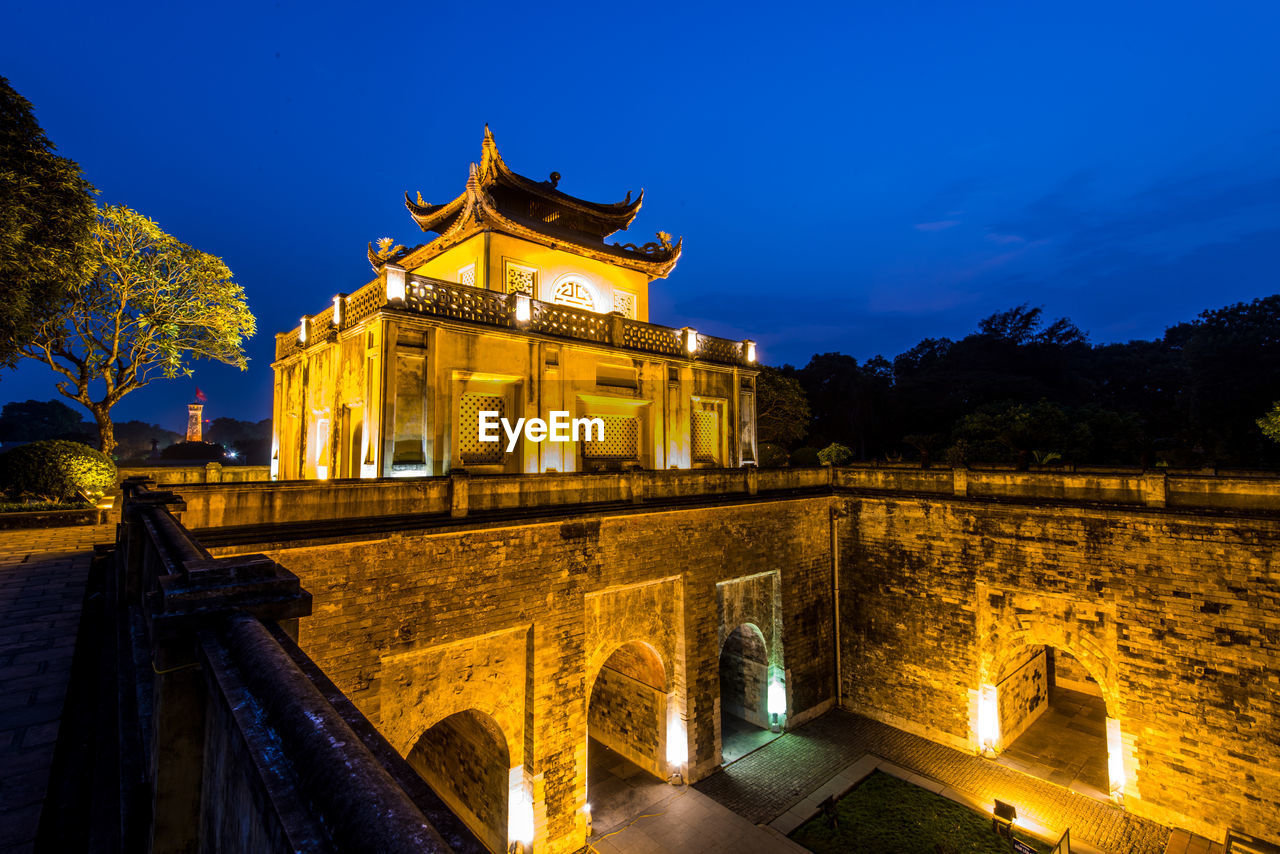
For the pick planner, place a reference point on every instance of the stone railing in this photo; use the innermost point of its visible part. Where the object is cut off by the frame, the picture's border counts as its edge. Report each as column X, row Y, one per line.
column 227, row 736
column 402, row 501
column 178, row 475
column 512, row 311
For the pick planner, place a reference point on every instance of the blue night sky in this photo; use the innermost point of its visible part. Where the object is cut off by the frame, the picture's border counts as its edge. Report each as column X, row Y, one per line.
column 849, row 177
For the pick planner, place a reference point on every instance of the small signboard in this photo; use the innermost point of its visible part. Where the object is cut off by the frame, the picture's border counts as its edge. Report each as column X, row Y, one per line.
column 1022, row 847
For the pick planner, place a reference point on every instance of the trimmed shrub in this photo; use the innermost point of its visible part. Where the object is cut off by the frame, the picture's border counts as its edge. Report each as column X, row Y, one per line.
column 55, row 470
column 835, row 454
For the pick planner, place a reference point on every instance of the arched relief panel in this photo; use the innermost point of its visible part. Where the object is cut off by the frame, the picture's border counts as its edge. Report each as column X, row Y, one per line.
column 650, row 613
column 1010, row 620
column 754, row 599
column 422, row 687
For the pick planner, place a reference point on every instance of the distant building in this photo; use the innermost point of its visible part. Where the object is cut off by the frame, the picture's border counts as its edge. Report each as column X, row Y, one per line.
column 195, row 422
column 517, row 306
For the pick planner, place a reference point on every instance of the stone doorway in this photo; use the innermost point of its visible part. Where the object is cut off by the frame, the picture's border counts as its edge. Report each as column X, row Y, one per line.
column 744, row 690
column 464, row 759
column 626, row 735
column 1054, row 721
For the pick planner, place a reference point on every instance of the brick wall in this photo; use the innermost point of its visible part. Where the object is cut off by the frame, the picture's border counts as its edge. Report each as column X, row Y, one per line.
column 744, row 676
column 516, row 621
column 630, row 717
column 1023, row 694
column 1177, row 615
column 464, row 759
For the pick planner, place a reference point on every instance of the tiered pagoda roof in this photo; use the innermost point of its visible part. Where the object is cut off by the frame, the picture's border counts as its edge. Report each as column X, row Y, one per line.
column 498, row 199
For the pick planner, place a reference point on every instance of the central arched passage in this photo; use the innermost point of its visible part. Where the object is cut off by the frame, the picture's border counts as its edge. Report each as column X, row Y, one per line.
column 627, row 722
column 1053, row 720
column 464, row 759
column 744, row 693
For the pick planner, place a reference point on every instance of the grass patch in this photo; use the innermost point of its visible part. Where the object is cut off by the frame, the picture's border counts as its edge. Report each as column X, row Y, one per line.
column 34, row 506
column 885, row 814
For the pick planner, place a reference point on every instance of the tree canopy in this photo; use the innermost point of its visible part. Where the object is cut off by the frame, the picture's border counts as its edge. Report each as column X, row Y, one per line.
column 153, row 306
column 46, row 223
column 1025, row 390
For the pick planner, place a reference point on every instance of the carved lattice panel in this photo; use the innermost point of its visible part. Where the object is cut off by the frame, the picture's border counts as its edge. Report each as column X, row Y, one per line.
column 576, row 294
column 624, row 303
column 467, row 276
column 655, row 339
column 471, row 449
column 706, row 434
column 621, row 439
column 520, row 280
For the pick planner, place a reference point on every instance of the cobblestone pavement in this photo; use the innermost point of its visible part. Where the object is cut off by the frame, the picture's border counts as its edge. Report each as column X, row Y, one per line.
column 42, row 579
column 763, row 785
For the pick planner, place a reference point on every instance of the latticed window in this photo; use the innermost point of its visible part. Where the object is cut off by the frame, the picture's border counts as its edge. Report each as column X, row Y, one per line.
column 520, row 280
column 706, row 434
column 467, row 276
column 625, row 303
column 621, row 439
column 470, row 448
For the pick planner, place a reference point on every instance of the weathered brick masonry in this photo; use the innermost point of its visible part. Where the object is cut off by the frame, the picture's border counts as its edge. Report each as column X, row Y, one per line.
column 517, row 621
column 1161, row 587
column 1176, row 614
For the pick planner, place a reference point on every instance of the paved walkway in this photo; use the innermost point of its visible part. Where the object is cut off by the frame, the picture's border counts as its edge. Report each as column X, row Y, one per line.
column 685, row 820
column 762, row 786
column 42, row 580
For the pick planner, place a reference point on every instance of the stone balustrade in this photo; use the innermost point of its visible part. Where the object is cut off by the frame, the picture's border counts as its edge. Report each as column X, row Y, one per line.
column 511, row 311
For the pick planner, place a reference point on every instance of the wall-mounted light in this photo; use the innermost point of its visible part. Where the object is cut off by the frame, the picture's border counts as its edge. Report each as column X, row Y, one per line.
column 690, row 340
column 677, row 746
column 337, row 310
column 302, row 330
column 586, row 811
column 777, row 704
column 519, row 820
column 395, row 283
column 524, row 308
column 988, row 719
column 1115, row 759
column 749, row 351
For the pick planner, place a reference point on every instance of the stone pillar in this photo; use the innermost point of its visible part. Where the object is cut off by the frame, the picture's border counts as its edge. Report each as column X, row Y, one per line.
column 1155, row 487
column 195, row 422
column 458, row 493
column 960, row 482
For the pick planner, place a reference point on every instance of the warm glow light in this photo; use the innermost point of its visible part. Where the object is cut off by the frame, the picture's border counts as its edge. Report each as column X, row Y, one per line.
column 750, row 348
column 988, row 718
column 302, row 330
column 1115, row 757
column 677, row 742
column 524, row 309
column 777, row 698
column 691, row 340
column 520, row 816
column 337, row 310
column 322, row 472
column 395, row 283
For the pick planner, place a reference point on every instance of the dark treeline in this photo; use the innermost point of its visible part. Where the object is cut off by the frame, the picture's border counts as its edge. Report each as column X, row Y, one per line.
column 1024, row 391
column 35, row 420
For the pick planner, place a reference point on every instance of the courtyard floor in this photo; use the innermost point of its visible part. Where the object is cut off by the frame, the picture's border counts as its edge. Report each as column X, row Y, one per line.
column 781, row 775
column 1066, row 745
column 42, row 580
column 633, row 812
column 738, row 738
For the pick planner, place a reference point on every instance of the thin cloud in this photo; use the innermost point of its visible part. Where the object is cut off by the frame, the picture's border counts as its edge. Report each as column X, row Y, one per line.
column 940, row 225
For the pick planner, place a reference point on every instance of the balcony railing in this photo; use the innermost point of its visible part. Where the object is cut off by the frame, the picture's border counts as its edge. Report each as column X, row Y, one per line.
column 513, row 311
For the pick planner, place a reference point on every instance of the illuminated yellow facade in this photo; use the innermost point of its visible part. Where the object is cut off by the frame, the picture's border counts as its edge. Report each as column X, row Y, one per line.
column 519, row 306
